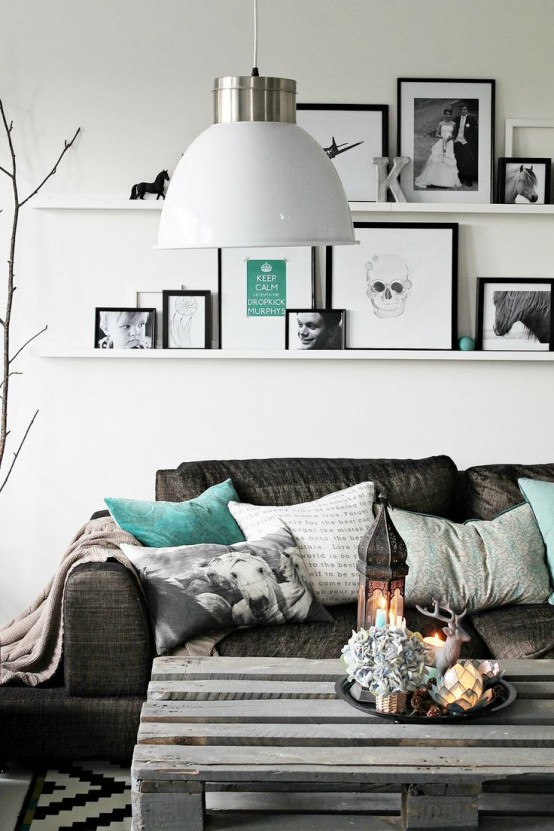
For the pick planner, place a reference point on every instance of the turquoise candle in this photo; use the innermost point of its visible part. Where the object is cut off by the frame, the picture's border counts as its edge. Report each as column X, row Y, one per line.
column 381, row 618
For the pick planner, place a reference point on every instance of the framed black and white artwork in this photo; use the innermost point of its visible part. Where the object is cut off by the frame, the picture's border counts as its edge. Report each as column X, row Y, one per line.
column 124, row 327
column 256, row 287
column 187, row 319
column 523, row 181
column 398, row 286
column 351, row 135
column 446, row 128
column 315, row 329
column 515, row 314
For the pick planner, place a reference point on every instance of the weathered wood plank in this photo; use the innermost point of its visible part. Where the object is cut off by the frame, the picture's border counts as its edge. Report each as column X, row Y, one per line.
column 330, row 710
column 489, row 823
column 295, row 802
column 534, row 689
column 528, row 804
column 239, row 821
column 154, row 811
column 351, row 735
column 422, row 808
column 206, row 689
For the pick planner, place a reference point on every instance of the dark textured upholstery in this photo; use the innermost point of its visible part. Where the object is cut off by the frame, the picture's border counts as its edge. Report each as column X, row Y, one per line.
column 491, row 489
column 426, row 485
column 48, row 725
column 325, row 640
column 518, row 631
column 107, row 636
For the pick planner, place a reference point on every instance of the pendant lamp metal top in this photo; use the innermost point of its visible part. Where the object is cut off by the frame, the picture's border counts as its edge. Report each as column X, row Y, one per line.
column 254, row 178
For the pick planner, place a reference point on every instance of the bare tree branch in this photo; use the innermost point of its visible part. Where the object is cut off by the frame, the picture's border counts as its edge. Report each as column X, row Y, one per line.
column 9, row 376
column 27, row 342
column 17, row 452
column 67, row 145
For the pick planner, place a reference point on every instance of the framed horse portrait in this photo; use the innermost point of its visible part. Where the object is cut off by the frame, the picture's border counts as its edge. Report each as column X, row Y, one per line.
column 446, row 129
column 398, row 286
column 351, row 135
column 515, row 314
column 523, row 181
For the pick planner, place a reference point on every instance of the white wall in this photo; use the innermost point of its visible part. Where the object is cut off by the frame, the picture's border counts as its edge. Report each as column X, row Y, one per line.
column 136, row 75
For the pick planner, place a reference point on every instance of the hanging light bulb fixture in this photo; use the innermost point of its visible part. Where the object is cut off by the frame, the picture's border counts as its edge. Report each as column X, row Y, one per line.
column 254, row 178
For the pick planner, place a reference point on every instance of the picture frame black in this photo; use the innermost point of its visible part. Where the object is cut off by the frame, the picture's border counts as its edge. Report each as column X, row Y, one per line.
column 351, row 135
column 252, row 312
column 512, row 315
column 399, row 286
column 124, row 327
column 446, row 165
column 187, row 319
column 315, row 329
column 523, row 180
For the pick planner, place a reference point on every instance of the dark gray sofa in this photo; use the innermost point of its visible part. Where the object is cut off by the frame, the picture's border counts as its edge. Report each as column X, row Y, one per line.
column 91, row 708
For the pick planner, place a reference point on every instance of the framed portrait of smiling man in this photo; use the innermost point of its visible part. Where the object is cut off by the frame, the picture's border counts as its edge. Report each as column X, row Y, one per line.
column 398, row 286
column 315, row 329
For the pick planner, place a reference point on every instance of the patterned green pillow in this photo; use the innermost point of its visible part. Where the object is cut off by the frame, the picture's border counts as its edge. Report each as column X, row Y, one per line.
column 479, row 564
column 203, row 519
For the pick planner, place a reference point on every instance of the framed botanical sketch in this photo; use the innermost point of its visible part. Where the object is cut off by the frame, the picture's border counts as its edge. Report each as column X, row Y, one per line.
column 515, row 314
column 398, row 286
column 523, row 181
column 351, row 135
column 187, row 318
column 446, row 127
column 315, row 329
column 256, row 287
column 124, row 327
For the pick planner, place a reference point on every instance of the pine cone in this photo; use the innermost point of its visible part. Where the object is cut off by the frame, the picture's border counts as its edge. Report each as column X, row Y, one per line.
column 434, row 711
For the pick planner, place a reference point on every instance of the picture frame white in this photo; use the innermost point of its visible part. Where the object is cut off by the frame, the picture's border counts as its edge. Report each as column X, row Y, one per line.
column 257, row 319
column 422, row 106
column 351, row 135
column 398, row 286
column 512, row 124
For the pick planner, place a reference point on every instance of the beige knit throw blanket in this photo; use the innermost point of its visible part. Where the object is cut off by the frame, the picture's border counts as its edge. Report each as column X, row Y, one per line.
column 31, row 643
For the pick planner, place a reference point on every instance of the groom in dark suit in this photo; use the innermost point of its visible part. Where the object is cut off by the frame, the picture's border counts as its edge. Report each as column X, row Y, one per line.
column 466, row 145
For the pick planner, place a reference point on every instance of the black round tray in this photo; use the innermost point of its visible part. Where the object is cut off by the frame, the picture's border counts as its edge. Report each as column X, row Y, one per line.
column 343, row 685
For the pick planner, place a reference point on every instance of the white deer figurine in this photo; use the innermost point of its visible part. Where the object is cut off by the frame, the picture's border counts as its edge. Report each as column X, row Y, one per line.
column 446, row 656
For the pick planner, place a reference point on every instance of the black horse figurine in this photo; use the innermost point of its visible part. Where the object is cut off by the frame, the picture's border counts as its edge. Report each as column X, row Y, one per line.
column 157, row 187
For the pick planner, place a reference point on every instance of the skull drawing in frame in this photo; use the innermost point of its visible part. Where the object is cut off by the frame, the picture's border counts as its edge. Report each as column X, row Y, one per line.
column 388, row 284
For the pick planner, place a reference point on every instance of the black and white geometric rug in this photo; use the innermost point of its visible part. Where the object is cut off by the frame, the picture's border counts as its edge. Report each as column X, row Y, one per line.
column 83, row 796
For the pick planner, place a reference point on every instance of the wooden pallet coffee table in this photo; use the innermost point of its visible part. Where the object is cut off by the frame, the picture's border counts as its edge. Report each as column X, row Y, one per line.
column 264, row 743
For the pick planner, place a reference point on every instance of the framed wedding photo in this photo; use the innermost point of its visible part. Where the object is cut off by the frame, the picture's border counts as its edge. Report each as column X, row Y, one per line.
column 351, row 135
column 256, row 287
column 523, row 181
column 186, row 319
column 446, row 128
column 315, row 329
column 124, row 327
column 515, row 314
column 398, row 286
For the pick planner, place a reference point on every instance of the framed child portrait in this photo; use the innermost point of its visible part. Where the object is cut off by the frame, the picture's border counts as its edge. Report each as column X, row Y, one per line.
column 446, row 128
column 315, row 329
column 124, row 327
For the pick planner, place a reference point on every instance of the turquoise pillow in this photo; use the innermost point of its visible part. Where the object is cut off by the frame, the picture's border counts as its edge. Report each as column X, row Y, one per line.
column 206, row 518
column 540, row 496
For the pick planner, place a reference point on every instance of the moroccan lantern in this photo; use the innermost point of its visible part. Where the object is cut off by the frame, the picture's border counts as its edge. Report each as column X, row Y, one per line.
column 383, row 569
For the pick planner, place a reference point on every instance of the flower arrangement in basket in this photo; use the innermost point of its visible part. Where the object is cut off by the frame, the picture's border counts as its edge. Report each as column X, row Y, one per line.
column 389, row 662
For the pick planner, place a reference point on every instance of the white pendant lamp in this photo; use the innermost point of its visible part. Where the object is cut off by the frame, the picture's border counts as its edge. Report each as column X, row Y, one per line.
column 254, row 178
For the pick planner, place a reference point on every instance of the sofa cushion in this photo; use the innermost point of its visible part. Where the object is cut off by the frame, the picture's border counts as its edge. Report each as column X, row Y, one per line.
column 518, row 631
column 540, row 496
column 203, row 519
column 475, row 565
column 327, row 532
column 427, row 485
column 195, row 589
column 491, row 489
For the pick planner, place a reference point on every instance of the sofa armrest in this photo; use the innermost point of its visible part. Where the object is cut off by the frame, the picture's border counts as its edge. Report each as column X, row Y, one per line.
column 108, row 648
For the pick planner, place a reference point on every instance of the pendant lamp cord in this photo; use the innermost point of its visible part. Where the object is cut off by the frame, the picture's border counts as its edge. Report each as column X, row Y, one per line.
column 255, row 61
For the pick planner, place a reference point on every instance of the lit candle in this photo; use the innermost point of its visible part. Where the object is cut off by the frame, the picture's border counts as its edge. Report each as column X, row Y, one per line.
column 434, row 641
column 381, row 613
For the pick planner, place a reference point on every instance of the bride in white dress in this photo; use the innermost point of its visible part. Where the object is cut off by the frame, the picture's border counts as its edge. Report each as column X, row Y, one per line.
column 441, row 169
